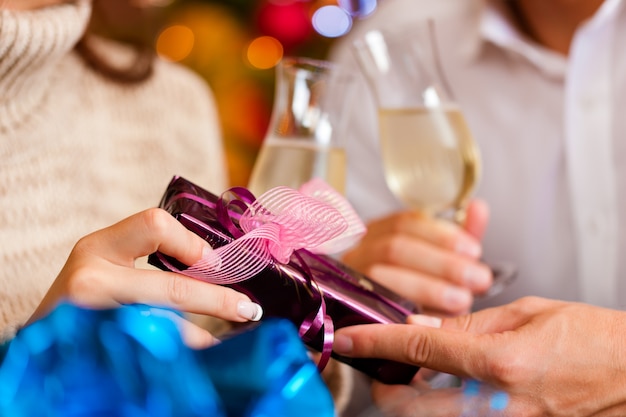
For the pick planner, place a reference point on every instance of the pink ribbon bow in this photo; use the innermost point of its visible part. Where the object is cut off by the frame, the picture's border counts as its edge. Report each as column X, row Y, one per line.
column 314, row 217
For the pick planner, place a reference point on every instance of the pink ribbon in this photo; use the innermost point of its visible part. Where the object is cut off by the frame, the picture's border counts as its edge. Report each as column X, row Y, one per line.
column 280, row 221
column 283, row 220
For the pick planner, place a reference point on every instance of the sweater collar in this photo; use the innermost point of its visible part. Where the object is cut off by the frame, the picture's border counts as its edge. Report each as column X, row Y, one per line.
column 31, row 45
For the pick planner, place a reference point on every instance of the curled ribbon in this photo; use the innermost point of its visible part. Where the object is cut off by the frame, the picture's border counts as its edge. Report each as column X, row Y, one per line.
column 281, row 221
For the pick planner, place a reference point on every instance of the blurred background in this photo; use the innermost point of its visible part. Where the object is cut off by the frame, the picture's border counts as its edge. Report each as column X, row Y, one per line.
column 234, row 45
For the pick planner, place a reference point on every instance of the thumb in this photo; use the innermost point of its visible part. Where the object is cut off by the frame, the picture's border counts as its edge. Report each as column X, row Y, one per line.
column 477, row 217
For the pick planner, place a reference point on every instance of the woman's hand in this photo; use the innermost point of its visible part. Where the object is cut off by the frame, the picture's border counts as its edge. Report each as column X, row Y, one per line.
column 100, row 273
column 432, row 262
column 552, row 358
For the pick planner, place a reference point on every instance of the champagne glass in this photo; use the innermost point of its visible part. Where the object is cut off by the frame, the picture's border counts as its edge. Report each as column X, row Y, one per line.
column 431, row 161
column 303, row 138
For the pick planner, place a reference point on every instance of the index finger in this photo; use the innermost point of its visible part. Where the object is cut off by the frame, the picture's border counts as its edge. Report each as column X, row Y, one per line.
column 490, row 320
column 144, row 233
column 438, row 232
column 450, row 351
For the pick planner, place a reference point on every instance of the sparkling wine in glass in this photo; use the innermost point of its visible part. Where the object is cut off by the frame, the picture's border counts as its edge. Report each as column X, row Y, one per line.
column 438, row 173
column 430, row 158
column 303, row 139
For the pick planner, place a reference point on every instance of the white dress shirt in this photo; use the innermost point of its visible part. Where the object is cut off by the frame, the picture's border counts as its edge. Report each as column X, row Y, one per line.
column 552, row 134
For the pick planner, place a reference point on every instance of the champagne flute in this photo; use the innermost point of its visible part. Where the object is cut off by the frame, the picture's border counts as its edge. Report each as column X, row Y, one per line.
column 431, row 160
column 303, row 138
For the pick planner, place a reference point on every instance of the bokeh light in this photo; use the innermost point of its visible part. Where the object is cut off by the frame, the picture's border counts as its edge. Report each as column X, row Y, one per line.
column 287, row 21
column 331, row 21
column 358, row 8
column 235, row 44
column 241, row 91
column 264, row 52
column 175, row 43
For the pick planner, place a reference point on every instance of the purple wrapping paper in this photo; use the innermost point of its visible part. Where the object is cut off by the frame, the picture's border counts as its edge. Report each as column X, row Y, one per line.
column 284, row 291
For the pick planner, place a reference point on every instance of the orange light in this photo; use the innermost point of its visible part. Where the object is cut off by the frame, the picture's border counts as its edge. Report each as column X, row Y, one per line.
column 264, row 52
column 175, row 43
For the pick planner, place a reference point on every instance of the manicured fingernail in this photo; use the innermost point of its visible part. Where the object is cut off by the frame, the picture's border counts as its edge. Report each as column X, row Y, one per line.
column 342, row 344
column 249, row 310
column 455, row 298
column 424, row 320
column 469, row 248
column 476, row 278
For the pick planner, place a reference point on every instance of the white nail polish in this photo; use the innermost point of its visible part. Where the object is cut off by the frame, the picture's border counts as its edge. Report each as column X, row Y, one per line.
column 475, row 277
column 455, row 298
column 468, row 248
column 249, row 310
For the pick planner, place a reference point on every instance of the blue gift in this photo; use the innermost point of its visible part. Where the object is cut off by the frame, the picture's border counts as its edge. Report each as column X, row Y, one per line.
column 131, row 362
column 268, row 373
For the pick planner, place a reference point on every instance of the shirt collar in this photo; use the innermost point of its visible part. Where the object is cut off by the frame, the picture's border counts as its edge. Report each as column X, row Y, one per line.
column 495, row 27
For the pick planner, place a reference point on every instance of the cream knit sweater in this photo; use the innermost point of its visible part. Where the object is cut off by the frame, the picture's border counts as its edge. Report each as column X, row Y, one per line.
column 79, row 152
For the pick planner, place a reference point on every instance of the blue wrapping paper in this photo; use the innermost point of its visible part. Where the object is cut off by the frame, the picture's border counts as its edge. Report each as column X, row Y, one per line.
column 131, row 362
column 270, row 374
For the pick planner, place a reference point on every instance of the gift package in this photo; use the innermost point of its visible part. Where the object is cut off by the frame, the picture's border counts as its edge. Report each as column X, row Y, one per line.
column 313, row 290
column 131, row 362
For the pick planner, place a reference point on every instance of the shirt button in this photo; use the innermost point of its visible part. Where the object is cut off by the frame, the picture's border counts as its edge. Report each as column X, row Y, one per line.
column 588, row 102
column 593, row 226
